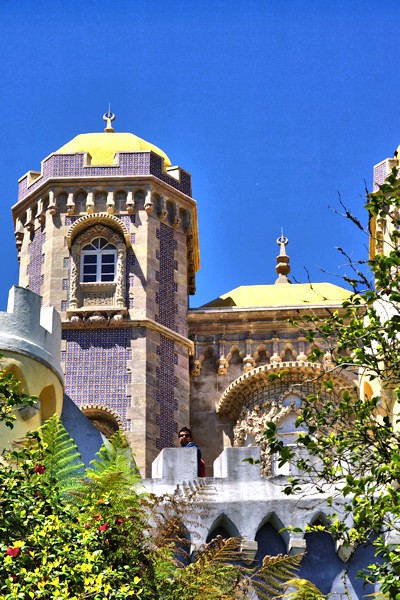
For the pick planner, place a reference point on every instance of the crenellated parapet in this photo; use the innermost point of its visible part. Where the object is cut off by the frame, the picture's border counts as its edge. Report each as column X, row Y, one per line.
column 30, row 347
column 79, row 166
column 242, row 503
column 27, row 328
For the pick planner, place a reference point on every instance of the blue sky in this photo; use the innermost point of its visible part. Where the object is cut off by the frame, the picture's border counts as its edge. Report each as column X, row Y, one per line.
column 274, row 107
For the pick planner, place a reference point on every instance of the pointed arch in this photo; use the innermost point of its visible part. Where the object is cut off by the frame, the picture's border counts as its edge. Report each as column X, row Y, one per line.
column 224, row 527
column 269, row 541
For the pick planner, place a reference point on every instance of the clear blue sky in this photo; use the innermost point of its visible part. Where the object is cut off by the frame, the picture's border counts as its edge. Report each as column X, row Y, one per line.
column 273, row 106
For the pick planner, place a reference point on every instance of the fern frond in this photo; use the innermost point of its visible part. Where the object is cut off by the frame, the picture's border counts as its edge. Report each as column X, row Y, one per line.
column 115, row 455
column 301, row 589
column 61, row 456
column 113, row 474
column 215, row 572
column 269, row 580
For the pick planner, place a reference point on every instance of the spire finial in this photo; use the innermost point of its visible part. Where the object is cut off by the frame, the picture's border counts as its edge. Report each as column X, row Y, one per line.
column 108, row 117
column 282, row 267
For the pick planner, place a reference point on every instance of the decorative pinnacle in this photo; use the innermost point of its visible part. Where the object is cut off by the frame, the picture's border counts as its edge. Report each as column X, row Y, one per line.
column 108, row 117
column 282, row 267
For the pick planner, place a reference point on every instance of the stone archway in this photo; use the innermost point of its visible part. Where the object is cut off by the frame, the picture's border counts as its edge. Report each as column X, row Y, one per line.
column 105, row 421
column 273, row 392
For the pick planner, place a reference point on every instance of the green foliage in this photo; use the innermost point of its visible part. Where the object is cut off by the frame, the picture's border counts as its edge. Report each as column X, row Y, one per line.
column 12, row 397
column 352, row 443
column 64, row 534
column 61, row 458
column 302, row 589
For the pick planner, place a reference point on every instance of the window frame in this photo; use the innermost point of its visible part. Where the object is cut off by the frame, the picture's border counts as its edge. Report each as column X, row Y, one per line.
column 98, row 253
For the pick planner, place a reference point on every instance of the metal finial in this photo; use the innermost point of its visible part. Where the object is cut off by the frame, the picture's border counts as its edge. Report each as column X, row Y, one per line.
column 108, row 117
column 282, row 267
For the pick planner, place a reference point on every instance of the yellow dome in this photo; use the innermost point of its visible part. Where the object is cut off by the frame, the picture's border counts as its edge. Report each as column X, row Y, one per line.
column 282, row 295
column 103, row 146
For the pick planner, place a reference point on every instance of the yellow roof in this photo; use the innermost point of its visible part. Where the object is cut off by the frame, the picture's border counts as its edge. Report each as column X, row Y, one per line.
column 282, row 294
column 103, row 146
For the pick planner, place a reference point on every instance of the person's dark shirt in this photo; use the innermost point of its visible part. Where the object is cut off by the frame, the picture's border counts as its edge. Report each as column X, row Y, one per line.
column 194, row 445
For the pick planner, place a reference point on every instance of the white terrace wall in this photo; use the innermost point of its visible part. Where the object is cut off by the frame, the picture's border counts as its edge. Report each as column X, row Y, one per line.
column 242, row 503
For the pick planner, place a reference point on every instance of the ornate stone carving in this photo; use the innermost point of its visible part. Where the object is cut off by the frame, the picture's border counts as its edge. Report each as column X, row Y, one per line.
column 40, row 212
column 248, row 363
column 195, row 368
column 223, row 365
column 88, row 294
column 52, row 208
column 120, row 290
column 73, row 281
column 70, row 204
column 275, row 358
column 110, row 203
column 130, row 203
column 252, row 423
column 97, row 319
column 97, row 298
column 29, row 223
column 89, row 203
column 87, row 221
column 148, row 203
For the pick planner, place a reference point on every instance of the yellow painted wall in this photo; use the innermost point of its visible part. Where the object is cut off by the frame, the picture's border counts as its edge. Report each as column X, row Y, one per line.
column 37, row 380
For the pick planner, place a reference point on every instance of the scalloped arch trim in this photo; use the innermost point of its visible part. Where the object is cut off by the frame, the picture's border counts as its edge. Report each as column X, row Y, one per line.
column 104, row 219
column 241, row 389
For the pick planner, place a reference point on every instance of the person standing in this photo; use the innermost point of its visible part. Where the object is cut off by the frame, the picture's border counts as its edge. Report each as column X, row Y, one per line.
column 186, row 441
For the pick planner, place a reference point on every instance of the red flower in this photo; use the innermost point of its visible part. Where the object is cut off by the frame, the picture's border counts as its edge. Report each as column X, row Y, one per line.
column 107, row 541
column 119, row 520
column 86, row 525
column 103, row 527
column 11, row 551
column 39, row 469
column 97, row 517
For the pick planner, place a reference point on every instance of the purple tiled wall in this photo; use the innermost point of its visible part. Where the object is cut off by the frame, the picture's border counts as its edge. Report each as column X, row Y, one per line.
column 96, row 368
column 36, row 259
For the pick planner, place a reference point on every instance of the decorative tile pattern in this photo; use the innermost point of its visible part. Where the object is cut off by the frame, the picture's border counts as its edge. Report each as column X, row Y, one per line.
column 165, row 299
column 165, row 277
column 36, row 260
column 96, row 368
column 130, row 163
column 165, row 398
column 381, row 171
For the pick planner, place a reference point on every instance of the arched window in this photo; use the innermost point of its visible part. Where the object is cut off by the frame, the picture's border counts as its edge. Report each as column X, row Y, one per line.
column 98, row 261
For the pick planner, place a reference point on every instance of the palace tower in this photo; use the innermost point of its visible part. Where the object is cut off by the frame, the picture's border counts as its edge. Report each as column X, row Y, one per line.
column 107, row 234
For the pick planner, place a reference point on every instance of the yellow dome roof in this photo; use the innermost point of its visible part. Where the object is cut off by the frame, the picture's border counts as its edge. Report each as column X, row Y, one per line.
column 282, row 295
column 103, row 146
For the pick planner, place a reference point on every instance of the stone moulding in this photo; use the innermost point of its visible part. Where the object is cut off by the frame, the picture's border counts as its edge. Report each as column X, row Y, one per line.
column 78, row 316
column 94, row 219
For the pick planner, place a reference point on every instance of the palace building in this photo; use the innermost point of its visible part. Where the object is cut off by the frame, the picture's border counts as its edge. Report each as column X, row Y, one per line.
column 107, row 235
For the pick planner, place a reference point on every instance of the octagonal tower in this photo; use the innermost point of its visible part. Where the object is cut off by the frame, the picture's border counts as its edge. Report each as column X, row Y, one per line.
column 107, row 234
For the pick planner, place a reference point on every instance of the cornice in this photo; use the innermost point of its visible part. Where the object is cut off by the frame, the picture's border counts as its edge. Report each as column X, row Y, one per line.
column 138, row 322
